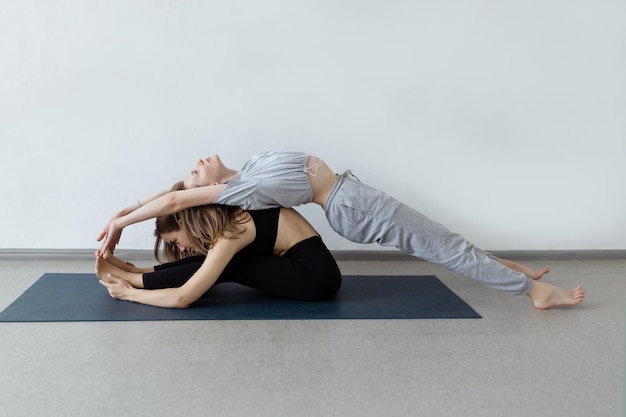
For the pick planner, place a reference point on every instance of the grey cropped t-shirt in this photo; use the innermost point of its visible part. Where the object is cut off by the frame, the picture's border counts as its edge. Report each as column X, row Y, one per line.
column 270, row 179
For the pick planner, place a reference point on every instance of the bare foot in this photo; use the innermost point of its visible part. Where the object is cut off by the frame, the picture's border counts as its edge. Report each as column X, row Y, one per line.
column 529, row 272
column 104, row 269
column 546, row 296
column 113, row 260
column 125, row 266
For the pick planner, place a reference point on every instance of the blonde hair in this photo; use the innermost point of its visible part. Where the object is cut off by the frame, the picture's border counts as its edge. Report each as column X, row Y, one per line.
column 203, row 225
column 167, row 224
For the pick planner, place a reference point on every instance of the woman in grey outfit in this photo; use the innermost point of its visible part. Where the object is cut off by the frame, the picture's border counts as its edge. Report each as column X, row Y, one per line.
column 355, row 210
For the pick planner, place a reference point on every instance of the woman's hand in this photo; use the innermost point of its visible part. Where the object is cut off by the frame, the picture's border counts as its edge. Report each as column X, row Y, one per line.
column 118, row 287
column 111, row 234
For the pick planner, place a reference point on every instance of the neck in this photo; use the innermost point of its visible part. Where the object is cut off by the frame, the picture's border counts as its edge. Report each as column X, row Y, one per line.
column 229, row 174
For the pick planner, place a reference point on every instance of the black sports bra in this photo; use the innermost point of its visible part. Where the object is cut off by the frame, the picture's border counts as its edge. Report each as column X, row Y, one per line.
column 266, row 223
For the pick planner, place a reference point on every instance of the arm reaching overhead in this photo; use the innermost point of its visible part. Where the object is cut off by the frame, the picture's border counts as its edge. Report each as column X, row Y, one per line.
column 161, row 204
column 106, row 232
column 146, row 200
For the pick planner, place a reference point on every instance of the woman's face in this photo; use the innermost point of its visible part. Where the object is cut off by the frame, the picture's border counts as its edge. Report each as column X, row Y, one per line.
column 178, row 238
column 207, row 172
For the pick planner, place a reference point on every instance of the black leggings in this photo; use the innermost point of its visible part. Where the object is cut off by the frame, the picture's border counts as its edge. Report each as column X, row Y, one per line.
column 307, row 271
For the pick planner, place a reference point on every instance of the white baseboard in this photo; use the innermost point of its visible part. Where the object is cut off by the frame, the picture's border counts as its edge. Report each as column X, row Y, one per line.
column 340, row 255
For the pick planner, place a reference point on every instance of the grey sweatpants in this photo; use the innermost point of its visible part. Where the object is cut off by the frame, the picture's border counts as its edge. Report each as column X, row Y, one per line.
column 364, row 214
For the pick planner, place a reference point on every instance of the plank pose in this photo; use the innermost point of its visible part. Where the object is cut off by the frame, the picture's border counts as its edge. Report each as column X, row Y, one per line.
column 274, row 250
column 355, row 210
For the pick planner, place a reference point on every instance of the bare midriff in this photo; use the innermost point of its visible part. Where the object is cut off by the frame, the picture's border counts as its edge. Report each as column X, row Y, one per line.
column 322, row 179
column 292, row 229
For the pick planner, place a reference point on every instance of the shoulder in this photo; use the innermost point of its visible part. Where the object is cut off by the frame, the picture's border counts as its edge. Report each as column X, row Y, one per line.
column 242, row 233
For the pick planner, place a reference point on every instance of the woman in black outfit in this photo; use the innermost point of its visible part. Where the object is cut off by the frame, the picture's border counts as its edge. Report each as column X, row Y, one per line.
column 274, row 250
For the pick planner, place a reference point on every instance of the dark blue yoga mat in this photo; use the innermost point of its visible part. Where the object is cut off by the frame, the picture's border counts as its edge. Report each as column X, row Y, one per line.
column 80, row 297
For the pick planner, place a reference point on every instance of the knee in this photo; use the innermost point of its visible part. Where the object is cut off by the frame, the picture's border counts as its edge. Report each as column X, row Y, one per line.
column 325, row 288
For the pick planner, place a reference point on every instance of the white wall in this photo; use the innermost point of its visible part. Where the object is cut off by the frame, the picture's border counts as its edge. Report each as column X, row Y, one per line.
column 503, row 120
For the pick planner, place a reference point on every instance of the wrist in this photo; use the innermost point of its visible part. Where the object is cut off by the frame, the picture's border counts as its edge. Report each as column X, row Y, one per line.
column 131, row 295
column 121, row 222
column 129, row 209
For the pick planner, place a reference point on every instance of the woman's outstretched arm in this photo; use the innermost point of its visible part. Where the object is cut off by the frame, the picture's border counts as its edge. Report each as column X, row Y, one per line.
column 182, row 297
column 141, row 202
column 168, row 203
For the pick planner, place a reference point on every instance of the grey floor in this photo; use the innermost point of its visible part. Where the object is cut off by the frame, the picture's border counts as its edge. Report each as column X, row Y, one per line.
column 515, row 361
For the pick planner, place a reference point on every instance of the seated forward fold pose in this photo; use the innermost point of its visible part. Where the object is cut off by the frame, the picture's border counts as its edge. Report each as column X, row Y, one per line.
column 274, row 250
column 355, row 210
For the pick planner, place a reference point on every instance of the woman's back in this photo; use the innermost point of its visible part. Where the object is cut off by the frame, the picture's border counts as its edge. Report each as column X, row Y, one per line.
column 292, row 228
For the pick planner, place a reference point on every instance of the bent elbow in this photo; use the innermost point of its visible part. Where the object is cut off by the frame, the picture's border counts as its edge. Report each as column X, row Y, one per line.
column 182, row 303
